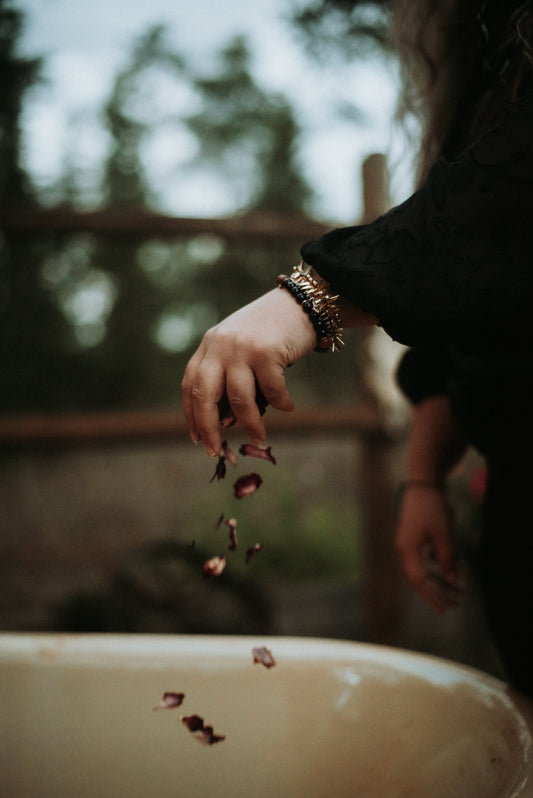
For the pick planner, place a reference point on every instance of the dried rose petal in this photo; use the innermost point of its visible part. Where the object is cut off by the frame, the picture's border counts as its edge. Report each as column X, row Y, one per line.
column 257, row 451
column 264, row 656
column 220, row 470
column 246, row 485
column 193, row 722
column 203, row 734
column 170, row 701
column 228, row 420
column 229, row 454
column 252, row 551
column 231, row 523
column 225, row 413
column 219, row 520
column 208, row 736
column 214, row 566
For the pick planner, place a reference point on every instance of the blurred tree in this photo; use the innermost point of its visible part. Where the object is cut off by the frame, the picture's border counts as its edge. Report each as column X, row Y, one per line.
column 127, row 118
column 159, row 297
column 129, row 366
column 17, row 75
column 34, row 335
column 250, row 138
column 343, row 28
column 92, row 323
column 249, row 135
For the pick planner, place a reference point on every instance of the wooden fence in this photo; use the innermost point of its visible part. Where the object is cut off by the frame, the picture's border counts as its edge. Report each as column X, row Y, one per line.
column 366, row 423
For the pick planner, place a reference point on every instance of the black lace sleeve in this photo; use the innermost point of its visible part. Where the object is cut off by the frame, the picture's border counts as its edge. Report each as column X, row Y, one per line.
column 423, row 372
column 452, row 264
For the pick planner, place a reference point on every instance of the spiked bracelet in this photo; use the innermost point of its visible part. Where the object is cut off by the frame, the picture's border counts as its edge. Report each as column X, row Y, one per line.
column 312, row 293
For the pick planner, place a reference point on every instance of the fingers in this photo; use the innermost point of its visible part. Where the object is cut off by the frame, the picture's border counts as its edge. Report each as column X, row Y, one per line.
column 440, row 558
column 425, row 544
column 417, row 577
column 436, row 581
column 207, row 386
column 438, row 593
column 441, row 577
column 187, row 385
column 241, row 396
column 202, row 388
column 274, row 388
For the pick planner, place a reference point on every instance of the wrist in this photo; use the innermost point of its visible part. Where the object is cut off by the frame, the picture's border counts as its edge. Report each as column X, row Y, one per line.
column 319, row 304
column 421, row 483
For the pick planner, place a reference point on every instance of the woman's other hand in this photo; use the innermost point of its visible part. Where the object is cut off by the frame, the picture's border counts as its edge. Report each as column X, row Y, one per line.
column 249, row 349
column 424, row 541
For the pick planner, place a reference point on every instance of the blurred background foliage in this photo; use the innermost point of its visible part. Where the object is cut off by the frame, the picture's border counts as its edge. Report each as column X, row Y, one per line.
column 92, row 323
column 88, row 323
column 100, row 539
column 309, row 529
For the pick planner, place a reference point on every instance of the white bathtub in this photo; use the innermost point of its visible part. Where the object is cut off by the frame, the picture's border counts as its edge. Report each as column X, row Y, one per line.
column 330, row 719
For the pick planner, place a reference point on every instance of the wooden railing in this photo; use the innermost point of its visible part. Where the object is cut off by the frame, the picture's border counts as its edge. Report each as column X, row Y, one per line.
column 139, row 223
column 366, row 423
column 36, row 431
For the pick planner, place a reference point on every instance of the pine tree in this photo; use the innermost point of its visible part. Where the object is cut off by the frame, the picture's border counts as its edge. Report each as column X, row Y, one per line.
column 34, row 336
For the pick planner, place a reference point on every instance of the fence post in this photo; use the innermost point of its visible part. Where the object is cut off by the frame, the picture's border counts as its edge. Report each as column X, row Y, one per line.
column 378, row 469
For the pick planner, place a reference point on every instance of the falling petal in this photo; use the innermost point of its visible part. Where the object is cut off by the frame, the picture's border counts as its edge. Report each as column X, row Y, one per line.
column 203, row 734
column 248, row 449
column 208, row 736
column 220, row 470
column 225, row 413
column 252, row 551
column 231, row 523
column 246, row 485
column 214, row 566
column 193, row 722
column 229, row 454
column 219, row 521
column 264, row 656
column 170, row 701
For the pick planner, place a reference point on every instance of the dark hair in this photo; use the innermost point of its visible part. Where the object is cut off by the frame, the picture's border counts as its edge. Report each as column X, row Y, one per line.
column 461, row 61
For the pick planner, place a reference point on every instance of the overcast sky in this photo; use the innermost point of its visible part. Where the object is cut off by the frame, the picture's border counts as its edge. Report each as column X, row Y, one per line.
column 84, row 42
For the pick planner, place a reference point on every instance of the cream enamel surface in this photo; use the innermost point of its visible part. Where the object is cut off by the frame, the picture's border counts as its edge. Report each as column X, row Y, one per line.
column 332, row 718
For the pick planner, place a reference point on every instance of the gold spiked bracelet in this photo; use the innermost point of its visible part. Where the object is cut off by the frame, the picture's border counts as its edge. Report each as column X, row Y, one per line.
column 312, row 293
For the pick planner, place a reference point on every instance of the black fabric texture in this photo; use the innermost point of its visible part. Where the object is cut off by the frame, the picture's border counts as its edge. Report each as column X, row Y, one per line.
column 450, row 274
column 451, row 271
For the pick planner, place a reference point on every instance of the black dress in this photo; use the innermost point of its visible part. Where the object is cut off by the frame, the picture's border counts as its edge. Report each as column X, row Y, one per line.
column 450, row 273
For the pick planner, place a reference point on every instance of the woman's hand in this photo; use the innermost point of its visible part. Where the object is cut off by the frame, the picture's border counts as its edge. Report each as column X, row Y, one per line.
column 424, row 541
column 250, row 348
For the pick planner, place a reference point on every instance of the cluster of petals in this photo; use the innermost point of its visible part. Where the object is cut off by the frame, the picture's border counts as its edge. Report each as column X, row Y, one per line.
column 243, row 486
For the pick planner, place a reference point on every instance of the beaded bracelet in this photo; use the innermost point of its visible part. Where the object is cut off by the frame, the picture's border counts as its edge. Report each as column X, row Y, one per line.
column 312, row 294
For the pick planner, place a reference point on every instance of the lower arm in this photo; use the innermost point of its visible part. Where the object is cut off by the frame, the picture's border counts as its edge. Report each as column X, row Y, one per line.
column 436, row 441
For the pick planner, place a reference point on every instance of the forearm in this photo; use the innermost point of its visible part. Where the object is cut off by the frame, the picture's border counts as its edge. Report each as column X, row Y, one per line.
column 436, row 441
